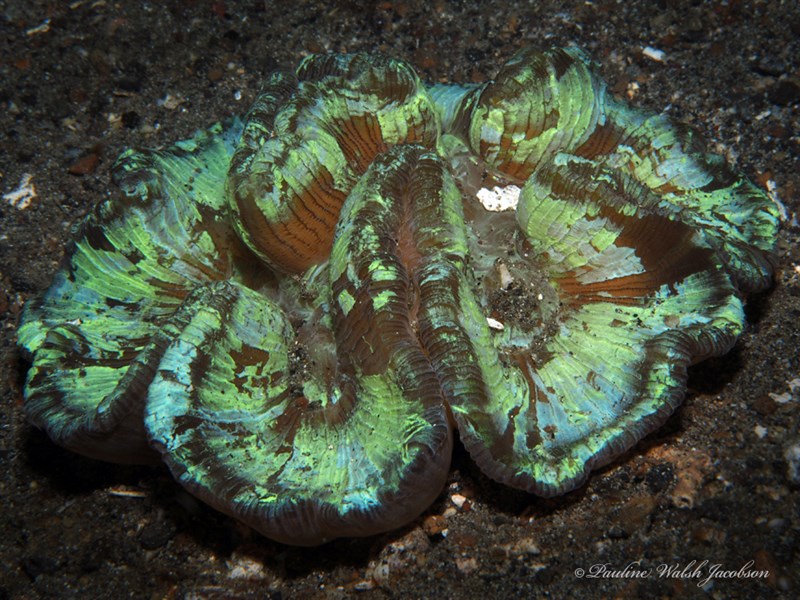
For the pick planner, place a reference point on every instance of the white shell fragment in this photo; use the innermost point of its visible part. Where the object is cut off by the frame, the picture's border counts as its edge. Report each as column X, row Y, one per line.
column 21, row 197
column 653, row 54
column 495, row 324
column 506, row 278
column 499, row 198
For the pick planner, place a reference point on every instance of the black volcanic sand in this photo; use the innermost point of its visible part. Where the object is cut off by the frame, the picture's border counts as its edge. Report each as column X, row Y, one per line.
column 83, row 80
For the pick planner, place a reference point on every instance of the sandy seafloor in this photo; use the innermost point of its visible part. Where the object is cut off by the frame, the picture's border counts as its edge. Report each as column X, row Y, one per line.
column 83, row 80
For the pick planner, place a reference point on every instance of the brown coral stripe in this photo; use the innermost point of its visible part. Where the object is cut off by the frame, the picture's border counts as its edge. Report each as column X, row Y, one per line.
column 661, row 243
column 393, row 83
column 248, row 356
column 443, row 341
column 95, row 235
column 259, row 228
column 509, row 160
column 604, row 140
column 360, row 139
column 306, row 239
column 321, row 66
column 526, row 366
column 630, row 290
column 288, row 422
column 322, row 203
column 561, row 61
column 465, row 113
column 666, row 250
column 502, row 446
column 213, row 223
column 383, row 339
column 668, row 188
column 305, row 236
column 178, row 291
column 290, row 245
column 317, row 206
column 722, row 176
column 358, row 339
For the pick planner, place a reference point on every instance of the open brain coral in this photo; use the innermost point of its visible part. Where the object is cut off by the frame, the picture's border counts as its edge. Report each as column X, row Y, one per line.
column 295, row 311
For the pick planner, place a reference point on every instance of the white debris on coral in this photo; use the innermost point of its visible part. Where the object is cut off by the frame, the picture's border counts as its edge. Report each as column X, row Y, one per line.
column 772, row 192
column 505, row 276
column 495, row 324
column 21, row 197
column 499, row 198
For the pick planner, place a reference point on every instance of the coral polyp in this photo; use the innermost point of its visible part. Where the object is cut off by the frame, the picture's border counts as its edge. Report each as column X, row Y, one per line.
column 296, row 310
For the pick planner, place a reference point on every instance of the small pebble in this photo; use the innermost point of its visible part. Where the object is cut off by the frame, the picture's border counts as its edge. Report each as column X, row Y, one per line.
column 792, row 456
column 434, row 525
column 765, row 406
column 39, row 564
column 635, row 514
column 526, row 547
column 245, row 567
column 660, row 477
column 131, row 119
column 466, row 564
column 85, row 165
column 653, row 54
column 784, row 93
column 465, row 540
column 156, row 535
column 458, row 500
column 364, row 586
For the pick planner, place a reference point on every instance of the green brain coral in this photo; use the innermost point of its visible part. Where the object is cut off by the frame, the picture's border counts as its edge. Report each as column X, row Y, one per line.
column 296, row 310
